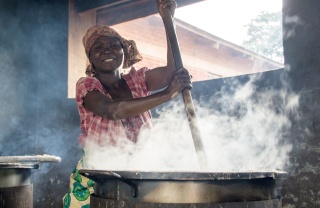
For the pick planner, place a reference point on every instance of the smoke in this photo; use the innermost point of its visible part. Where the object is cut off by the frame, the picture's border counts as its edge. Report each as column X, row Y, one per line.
column 290, row 23
column 250, row 128
column 7, row 62
column 242, row 127
column 36, row 116
column 33, row 88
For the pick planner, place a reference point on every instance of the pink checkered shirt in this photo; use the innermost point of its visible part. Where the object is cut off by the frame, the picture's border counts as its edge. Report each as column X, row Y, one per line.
column 105, row 131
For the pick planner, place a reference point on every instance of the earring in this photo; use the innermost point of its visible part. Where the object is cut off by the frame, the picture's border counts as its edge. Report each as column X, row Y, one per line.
column 90, row 70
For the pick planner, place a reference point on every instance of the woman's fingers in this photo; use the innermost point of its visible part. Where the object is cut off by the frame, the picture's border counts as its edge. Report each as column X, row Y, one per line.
column 169, row 3
column 180, row 80
column 183, row 72
column 185, row 83
column 183, row 78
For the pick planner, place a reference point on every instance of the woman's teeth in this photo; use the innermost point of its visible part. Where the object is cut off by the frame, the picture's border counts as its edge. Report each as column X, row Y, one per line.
column 108, row 60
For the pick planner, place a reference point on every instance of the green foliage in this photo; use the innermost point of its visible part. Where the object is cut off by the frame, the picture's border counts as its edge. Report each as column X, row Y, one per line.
column 265, row 35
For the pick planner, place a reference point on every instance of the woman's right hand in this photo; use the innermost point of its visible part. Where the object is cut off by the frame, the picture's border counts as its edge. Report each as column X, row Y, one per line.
column 180, row 80
column 163, row 4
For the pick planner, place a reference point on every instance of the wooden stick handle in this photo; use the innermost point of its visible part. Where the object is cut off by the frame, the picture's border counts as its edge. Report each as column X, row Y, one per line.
column 186, row 94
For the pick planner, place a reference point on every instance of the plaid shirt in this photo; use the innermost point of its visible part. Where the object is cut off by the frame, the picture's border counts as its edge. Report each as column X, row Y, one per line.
column 105, row 131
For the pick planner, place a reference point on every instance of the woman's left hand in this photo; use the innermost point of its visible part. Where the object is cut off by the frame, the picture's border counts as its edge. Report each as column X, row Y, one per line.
column 180, row 80
column 163, row 4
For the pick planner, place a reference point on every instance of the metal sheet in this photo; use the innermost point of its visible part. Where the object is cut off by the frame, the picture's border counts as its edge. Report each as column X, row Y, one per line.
column 29, row 159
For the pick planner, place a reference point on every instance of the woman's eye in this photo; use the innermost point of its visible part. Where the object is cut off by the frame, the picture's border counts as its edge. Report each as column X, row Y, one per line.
column 97, row 49
column 100, row 48
column 115, row 46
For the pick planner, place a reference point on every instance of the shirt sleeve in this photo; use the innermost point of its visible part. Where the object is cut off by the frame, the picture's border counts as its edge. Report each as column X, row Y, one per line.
column 85, row 85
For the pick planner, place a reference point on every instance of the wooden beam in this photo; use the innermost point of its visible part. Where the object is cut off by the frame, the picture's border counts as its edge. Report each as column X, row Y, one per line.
column 122, row 13
column 150, row 5
column 82, row 6
column 77, row 59
column 131, row 10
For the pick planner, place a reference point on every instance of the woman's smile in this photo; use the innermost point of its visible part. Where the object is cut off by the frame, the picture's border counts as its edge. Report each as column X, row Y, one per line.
column 108, row 60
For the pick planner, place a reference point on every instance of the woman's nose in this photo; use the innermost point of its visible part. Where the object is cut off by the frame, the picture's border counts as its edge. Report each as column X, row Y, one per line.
column 107, row 49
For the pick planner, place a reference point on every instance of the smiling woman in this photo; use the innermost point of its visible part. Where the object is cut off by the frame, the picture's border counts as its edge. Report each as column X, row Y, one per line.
column 114, row 105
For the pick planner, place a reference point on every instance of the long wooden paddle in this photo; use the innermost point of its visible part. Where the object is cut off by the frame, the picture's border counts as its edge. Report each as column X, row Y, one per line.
column 186, row 94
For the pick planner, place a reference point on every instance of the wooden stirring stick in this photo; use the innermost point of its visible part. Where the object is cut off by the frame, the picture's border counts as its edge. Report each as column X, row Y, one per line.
column 186, row 94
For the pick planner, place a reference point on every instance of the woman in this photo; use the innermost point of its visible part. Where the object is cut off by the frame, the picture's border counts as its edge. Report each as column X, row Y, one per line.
column 113, row 104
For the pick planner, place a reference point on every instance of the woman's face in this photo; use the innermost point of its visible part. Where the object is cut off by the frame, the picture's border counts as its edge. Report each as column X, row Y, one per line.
column 106, row 54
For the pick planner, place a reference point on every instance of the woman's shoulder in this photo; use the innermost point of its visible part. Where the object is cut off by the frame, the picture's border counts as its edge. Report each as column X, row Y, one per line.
column 89, row 84
column 136, row 72
column 82, row 80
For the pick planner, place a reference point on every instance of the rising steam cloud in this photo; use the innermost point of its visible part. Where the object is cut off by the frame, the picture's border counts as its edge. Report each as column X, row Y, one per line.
column 242, row 129
column 291, row 22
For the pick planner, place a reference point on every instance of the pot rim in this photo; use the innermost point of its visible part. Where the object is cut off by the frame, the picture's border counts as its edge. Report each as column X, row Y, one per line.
column 182, row 176
column 19, row 165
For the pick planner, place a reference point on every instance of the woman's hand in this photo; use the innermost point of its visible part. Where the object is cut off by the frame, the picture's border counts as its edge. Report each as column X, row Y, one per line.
column 180, row 80
column 163, row 4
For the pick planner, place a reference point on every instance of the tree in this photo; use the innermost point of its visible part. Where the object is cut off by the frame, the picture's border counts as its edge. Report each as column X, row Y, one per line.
column 265, row 35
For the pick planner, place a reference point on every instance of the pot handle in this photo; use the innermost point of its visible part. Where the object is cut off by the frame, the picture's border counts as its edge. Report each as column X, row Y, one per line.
column 134, row 187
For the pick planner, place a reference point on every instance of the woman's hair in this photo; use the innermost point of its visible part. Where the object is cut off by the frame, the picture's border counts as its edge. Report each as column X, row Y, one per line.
column 131, row 53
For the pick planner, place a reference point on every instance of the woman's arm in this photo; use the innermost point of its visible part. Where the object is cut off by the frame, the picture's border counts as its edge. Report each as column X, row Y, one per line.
column 103, row 106
column 159, row 77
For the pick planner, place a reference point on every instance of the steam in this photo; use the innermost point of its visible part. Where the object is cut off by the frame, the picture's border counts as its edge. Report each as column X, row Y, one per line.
column 250, row 128
column 291, row 22
column 242, row 127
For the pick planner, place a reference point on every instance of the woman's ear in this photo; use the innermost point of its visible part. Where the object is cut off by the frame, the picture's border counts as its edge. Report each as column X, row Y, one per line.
column 91, row 64
column 90, row 61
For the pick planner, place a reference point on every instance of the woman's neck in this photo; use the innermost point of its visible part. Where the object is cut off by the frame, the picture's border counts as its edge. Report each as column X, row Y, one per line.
column 110, row 80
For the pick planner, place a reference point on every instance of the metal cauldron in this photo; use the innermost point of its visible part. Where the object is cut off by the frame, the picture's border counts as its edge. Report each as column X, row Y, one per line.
column 185, row 188
column 16, row 188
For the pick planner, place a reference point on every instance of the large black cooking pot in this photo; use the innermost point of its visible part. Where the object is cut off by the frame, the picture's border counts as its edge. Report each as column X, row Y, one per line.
column 186, row 187
column 16, row 189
